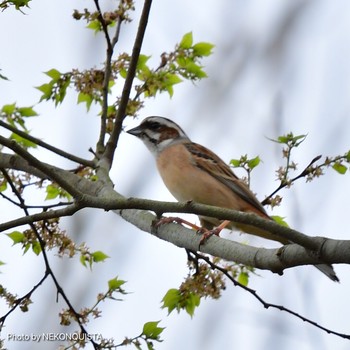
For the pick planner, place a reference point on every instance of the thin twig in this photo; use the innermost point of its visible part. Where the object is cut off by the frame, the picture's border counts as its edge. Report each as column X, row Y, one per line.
column 266, row 305
column 284, row 183
column 48, row 270
column 103, row 24
column 107, row 74
column 24, row 297
column 47, row 146
column 113, row 140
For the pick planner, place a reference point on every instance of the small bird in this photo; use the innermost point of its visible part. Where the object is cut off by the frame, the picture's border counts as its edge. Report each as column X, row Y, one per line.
column 191, row 172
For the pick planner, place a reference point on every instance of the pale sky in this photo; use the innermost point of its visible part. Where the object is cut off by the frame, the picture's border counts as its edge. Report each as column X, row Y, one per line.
column 277, row 67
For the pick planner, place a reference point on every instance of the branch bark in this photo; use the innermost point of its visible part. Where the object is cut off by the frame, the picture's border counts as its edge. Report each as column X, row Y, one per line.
column 99, row 194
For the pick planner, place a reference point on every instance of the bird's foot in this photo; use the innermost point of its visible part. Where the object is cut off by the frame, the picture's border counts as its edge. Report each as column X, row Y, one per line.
column 172, row 219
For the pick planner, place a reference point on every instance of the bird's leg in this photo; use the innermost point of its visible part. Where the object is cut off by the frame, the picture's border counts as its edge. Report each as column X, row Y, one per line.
column 216, row 231
column 205, row 233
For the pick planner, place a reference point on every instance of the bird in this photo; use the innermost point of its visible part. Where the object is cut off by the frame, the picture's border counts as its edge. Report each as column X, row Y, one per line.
column 192, row 172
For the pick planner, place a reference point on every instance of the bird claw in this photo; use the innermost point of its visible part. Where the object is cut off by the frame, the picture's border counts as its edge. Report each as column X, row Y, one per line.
column 206, row 234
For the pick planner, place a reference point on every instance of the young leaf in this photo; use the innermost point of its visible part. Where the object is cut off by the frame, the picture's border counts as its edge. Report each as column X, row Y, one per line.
column 186, row 41
column 22, row 141
column 193, row 300
column 243, row 278
column 86, row 98
column 47, row 90
column 280, row 220
column 27, row 112
column 95, row 26
column 99, row 256
column 16, row 236
column 3, row 185
column 252, row 163
column 151, row 330
column 115, row 284
column 52, row 192
column 36, row 247
column 83, row 259
column 141, row 63
column 8, row 109
column 203, row 49
column 54, row 74
column 235, row 163
column 171, row 299
column 340, row 168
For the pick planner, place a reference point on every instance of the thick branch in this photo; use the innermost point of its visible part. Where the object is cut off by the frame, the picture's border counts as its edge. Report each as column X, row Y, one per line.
column 43, row 167
column 275, row 260
column 97, row 194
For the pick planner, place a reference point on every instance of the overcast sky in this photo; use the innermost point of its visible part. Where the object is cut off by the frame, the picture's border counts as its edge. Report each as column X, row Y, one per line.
column 278, row 66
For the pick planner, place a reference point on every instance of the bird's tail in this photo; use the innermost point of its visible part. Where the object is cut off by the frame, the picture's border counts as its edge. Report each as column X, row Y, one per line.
column 328, row 271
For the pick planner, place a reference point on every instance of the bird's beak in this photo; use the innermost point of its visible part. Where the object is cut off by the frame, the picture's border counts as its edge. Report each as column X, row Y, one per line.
column 135, row 131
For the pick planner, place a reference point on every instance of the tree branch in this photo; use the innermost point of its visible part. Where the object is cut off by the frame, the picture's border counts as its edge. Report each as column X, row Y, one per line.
column 47, row 146
column 45, row 215
column 266, row 304
column 107, row 74
column 48, row 170
column 48, row 269
column 121, row 114
column 275, row 260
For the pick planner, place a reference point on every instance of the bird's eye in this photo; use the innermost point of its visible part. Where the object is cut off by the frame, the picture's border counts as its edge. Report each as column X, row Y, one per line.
column 155, row 125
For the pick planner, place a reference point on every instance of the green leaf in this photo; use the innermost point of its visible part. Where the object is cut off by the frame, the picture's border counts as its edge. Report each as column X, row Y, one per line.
column 123, row 73
column 186, row 41
column 243, row 278
column 9, row 109
column 252, row 163
column 151, row 330
column 16, row 236
column 3, row 185
column 27, row 112
column 203, row 49
column 95, row 26
column 20, row 3
column 36, row 247
column 85, row 98
column 47, row 90
column 26, row 248
column 52, row 192
column 171, row 299
column 54, row 74
column 115, row 284
column 235, row 163
column 59, row 97
column 291, row 139
column 340, row 168
column 141, row 63
column 170, row 80
column 99, row 256
column 280, row 220
column 193, row 300
column 83, row 260
column 196, row 70
column 23, row 141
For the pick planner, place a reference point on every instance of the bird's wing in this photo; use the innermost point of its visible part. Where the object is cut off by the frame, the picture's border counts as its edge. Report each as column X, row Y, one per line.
column 208, row 161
